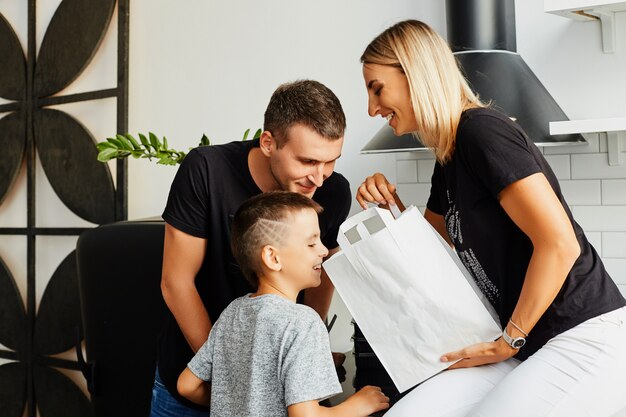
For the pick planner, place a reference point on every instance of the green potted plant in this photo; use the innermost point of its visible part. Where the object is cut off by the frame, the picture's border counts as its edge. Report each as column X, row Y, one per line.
column 123, row 146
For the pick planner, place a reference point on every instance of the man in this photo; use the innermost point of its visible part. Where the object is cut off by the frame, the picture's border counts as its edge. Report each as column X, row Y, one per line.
column 303, row 135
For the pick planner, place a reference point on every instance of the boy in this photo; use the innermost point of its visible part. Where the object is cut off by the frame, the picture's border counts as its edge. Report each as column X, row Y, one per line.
column 267, row 355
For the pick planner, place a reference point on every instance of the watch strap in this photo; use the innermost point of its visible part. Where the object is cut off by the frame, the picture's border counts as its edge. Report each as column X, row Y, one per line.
column 515, row 343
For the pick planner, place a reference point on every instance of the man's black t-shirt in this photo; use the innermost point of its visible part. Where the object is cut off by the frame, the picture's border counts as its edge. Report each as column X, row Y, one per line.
column 210, row 185
column 491, row 153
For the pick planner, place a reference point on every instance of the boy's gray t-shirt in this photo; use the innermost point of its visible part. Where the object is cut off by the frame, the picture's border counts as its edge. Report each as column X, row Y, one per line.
column 264, row 354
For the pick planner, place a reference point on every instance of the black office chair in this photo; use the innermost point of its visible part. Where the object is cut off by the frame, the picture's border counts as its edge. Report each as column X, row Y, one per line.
column 119, row 271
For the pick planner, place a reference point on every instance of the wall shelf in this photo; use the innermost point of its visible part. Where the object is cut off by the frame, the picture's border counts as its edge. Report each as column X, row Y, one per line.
column 615, row 129
column 590, row 10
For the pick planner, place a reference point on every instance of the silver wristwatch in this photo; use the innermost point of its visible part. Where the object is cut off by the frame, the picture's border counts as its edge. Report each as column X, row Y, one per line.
column 514, row 342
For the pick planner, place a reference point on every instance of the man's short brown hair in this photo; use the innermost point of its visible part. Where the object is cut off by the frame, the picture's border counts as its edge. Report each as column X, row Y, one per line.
column 308, row 103
column 261, row 221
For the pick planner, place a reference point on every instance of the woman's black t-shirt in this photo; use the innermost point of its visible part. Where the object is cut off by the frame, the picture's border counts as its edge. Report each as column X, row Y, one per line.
column 491, row 153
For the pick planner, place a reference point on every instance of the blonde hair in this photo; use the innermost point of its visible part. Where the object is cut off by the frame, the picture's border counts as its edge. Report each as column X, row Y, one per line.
column 439, row 92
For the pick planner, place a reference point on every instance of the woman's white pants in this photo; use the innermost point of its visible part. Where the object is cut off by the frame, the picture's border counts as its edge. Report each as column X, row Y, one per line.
column 581, row 372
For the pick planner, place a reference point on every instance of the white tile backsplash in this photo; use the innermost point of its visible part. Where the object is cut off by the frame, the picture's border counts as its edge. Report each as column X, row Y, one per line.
column 560, row 164
column 614, row 244
column 596, row 166
column 595, row 238
column 613, row 192
column 616, row 267
column 425, row 169
column 601, row 218
column 582, row 192
column 415, row 194
column 406, row 171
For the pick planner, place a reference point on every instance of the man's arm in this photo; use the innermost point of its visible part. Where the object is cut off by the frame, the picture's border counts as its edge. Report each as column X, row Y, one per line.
column 319, row 298
column 193, row 388
column 182, row 258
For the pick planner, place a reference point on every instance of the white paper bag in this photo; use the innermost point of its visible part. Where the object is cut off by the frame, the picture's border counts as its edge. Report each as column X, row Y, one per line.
column 409, row 295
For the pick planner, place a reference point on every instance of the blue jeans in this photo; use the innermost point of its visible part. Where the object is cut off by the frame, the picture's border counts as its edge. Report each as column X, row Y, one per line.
column 165, row 405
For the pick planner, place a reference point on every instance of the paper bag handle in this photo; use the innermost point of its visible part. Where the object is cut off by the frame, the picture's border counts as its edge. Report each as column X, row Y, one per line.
column 361, row 217
column 356, row 223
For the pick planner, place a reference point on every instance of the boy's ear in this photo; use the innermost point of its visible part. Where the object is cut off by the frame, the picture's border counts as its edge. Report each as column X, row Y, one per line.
column 270, row 258
column 266, row 142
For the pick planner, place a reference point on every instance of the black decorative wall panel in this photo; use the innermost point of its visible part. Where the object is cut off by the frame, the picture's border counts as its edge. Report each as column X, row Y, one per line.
column 31, row 380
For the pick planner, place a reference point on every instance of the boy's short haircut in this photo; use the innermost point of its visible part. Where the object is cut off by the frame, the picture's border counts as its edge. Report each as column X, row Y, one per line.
column 261, row 221
column 308, row 103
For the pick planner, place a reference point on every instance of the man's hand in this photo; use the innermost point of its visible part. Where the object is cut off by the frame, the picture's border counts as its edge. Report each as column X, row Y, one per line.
column 480, row 354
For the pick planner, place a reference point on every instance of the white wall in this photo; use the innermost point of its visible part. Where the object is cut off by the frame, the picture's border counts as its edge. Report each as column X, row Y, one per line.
column 217, row 75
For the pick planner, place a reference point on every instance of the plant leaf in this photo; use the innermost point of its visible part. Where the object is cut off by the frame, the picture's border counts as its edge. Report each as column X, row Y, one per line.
column 105, row 155
column 245, row 134
column 204, row 141
column 126, row 144
column 144, row 141
column 257, row 134
column 105, row 145
column 133, row 141
column 154, row 141
column 164, row 160
column 115, row 142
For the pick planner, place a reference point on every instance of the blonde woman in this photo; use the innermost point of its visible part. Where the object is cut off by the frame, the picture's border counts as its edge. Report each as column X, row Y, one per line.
column 496, row 200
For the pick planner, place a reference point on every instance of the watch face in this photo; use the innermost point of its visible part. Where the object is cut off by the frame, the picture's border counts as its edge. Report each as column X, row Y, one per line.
column 518, row 342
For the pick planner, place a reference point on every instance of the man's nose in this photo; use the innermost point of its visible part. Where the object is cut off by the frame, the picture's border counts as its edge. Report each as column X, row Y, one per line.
column 317, row 177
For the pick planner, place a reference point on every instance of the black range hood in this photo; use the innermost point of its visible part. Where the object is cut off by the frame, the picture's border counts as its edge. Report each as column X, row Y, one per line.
column 481, row 33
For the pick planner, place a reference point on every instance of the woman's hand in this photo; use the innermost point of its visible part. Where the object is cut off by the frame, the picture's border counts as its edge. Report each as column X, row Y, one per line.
column 480, row 354
column 376, row 189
